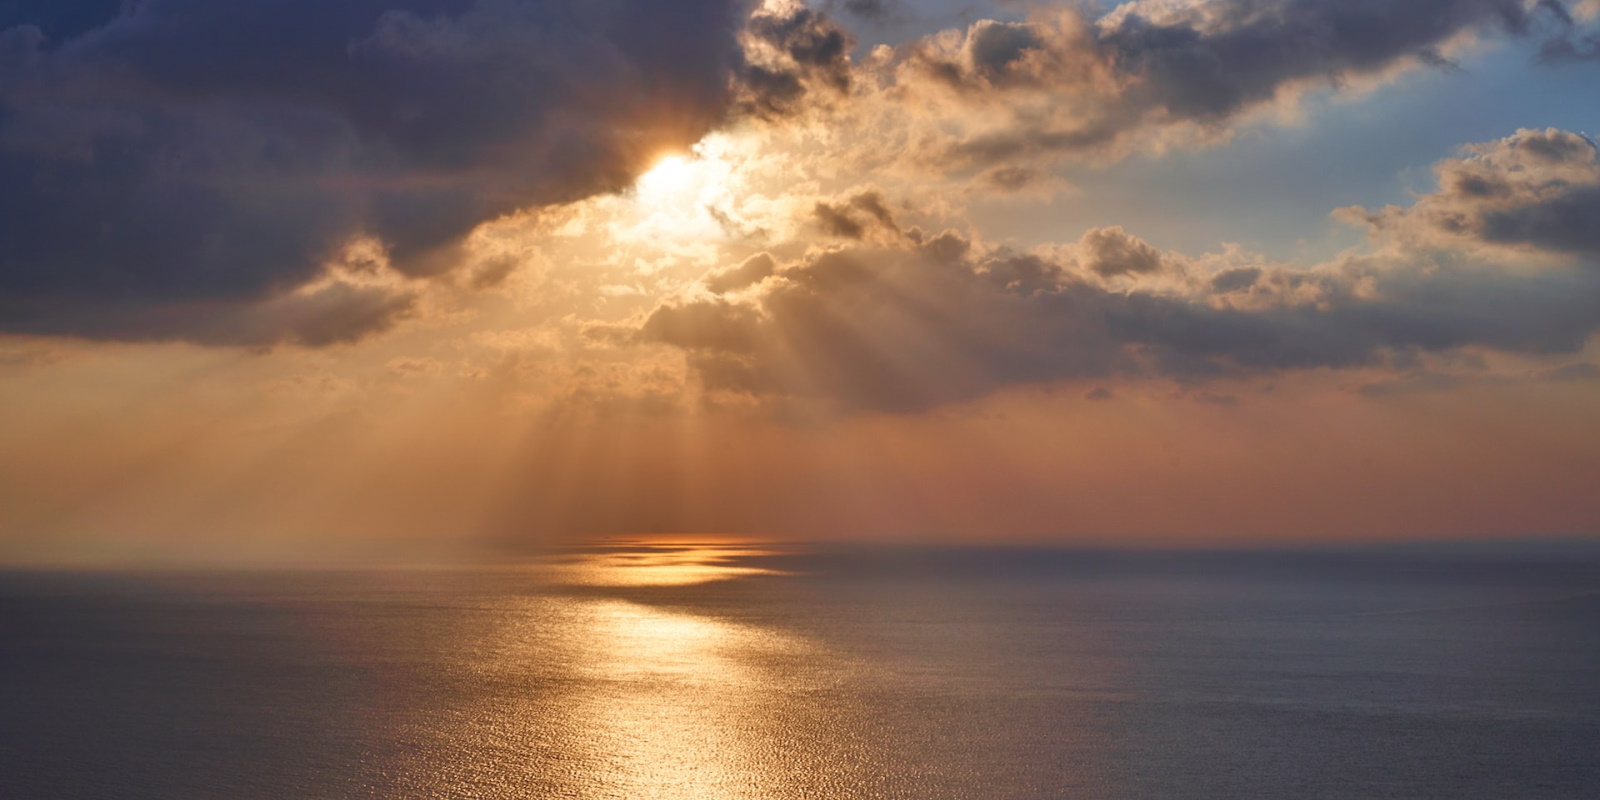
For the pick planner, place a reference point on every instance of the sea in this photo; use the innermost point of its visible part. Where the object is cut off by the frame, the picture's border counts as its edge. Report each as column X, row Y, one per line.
column 727, row 669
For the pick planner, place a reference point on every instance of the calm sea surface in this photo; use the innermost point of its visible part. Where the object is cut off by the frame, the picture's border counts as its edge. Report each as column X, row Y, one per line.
column 726, row 672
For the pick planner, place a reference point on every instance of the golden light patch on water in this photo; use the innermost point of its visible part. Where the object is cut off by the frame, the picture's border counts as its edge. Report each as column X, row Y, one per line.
column 677, row 704
column 607, row 695
column 664, row 563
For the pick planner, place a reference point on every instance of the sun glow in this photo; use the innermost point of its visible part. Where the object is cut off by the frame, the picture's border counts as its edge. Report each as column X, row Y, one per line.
column 685, row 197
column 673, row 174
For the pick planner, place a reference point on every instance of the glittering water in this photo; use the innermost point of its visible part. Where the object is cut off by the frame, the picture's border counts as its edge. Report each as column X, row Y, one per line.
column 746, row 672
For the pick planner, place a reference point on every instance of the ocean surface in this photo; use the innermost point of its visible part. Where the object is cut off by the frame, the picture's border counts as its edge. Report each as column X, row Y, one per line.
column 743, row 671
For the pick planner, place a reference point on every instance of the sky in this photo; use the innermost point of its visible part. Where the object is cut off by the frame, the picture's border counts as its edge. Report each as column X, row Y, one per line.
column 331, row 279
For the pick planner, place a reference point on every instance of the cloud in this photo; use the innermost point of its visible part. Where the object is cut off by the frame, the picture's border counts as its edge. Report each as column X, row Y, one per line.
column 872, row 10
column 751, row 271
column 173, row 168
column 1573, row 42
column 908, row 324
column 1111, row 251
column 415, row 367
column 318, row 315
column 1012, row 179
column 1064, row 83
column 856, row 216
column 705, row 325
column 793, row 54
column 1537, row 189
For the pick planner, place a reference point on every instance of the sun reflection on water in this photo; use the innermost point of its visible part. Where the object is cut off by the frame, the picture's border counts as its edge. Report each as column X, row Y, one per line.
column 660, row 702
column 659, row 563
column 680, row 706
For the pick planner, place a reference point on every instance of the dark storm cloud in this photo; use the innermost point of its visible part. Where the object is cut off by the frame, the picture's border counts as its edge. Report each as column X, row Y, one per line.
column 1088, row 84
column 918, row 321
column 168, row 164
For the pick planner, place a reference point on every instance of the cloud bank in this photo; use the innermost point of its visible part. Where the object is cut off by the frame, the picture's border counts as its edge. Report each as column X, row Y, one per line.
column 190, row 169
column 180, row 168
column 1154, row 72
column 927, row 320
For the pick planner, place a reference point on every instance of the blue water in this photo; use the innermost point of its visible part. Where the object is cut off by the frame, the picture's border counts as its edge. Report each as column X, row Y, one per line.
column 640, row 672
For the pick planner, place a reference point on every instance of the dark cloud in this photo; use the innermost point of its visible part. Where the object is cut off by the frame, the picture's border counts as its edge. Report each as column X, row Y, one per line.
column 915, row 322
column 1234, row 280
column 874, row 10
column 1073, row 84
column 904, row 329
column 188, row 160
column 836, row 222
column 1011, row 178
column 715, row 325
column 795, row 53
column 754, row 270
column 1213, row 60
column 1111, row 251
column 1571, row 47
column 853, row 217
column 1537, row 189
column 1567, row 223
column 1571, row 42
column 315, row 316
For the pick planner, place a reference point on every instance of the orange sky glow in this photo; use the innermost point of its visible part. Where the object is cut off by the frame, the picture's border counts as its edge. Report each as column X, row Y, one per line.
column 934, row 290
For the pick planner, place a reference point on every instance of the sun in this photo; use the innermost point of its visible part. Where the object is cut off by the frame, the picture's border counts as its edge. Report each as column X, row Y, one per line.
column 685, row 196
column 671, row 175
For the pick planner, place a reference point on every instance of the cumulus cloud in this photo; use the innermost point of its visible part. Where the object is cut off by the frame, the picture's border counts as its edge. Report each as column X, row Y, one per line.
column 1066, row 83
column 172, row 168
column 751, row 271
column 793, row 53
column 1111, row 251
column 1535, row 189
column 919, row 321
